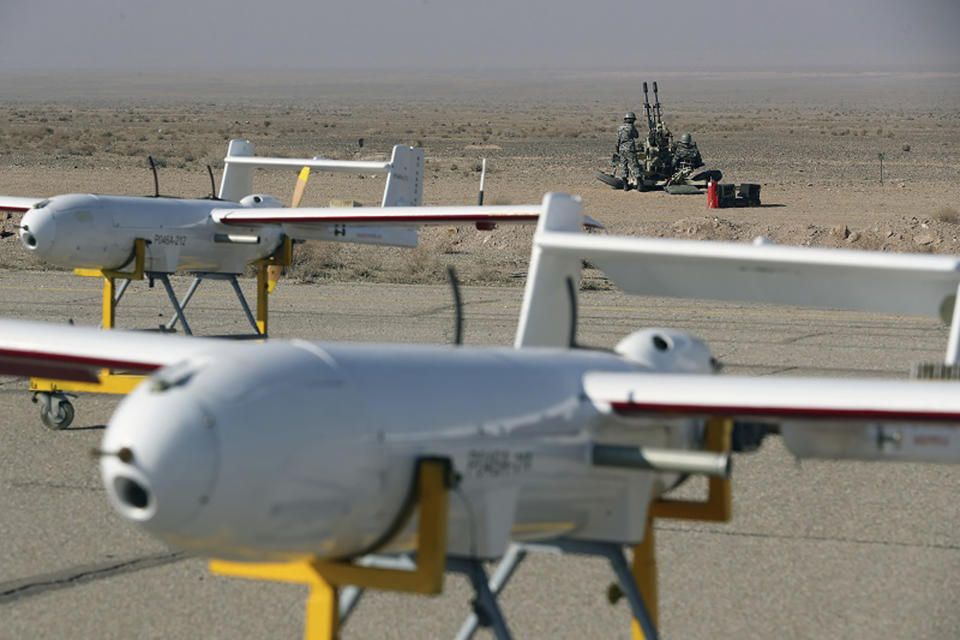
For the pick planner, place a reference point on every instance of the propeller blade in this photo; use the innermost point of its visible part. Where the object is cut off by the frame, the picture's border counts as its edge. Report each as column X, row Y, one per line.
column 300, row 188
column 274, row 271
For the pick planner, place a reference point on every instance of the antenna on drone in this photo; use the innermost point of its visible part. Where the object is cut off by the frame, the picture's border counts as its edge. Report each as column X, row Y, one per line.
column 483, row 175
column 156, row 181
column 572, row 297
column 213, row 183
column 458, row 305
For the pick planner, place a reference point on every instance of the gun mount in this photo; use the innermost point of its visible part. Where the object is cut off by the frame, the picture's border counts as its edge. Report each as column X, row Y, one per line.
column 663, row 163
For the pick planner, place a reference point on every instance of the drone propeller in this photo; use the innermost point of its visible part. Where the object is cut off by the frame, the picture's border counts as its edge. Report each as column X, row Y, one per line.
column 274, row 271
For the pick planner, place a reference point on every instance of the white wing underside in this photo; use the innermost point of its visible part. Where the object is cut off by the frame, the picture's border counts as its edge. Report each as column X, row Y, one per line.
column 863, row 280
column 775, row 397
column 818, row 417
column 377, row 225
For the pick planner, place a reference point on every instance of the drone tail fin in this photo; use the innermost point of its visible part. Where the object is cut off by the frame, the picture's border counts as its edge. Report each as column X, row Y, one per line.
column 404, row 186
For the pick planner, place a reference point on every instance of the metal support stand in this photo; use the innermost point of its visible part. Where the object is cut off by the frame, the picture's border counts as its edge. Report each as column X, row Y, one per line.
column 505, row 569
column 165, row 281
column 198, row 278
column 123, row 287
column 486, row 609
column 638, row 582
column 349, row 599
column 183, row 305
column 643, row 621
column 613, row 552
column 243, row 303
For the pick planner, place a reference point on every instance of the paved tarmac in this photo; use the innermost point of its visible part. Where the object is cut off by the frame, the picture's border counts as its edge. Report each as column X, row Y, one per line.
column 822, row 549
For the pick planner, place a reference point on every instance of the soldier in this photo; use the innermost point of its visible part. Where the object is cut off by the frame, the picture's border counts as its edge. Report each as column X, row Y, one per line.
column 686, row 154
column 627, row 150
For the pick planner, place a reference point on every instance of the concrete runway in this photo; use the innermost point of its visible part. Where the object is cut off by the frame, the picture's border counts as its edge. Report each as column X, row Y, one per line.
column 825, row 549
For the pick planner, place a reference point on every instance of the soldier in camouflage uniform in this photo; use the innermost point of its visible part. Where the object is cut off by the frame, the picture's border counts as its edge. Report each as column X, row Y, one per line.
column 627, row 150
column 686, row 154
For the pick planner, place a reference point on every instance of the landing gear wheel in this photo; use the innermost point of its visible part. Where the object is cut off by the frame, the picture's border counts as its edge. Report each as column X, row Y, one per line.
column 56, row 412
column 612, row 180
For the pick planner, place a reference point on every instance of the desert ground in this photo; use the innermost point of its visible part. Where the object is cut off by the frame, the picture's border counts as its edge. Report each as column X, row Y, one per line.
column 828, row 549
column 811, row 141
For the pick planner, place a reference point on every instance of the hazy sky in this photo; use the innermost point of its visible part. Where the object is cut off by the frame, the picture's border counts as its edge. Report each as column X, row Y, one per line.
column 479, row 34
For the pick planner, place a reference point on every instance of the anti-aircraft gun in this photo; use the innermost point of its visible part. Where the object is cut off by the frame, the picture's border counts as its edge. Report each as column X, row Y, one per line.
column 658, row 145
column 656, row 157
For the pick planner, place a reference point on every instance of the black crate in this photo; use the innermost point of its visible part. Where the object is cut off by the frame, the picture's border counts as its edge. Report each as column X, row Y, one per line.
column 749, row 192
column 726, row 194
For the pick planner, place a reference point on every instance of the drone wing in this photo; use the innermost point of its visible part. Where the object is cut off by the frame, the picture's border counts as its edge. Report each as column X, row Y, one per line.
column 16, row 203
column 911, row 420
column 839, row 278
column 79, row 353
column 377, row 225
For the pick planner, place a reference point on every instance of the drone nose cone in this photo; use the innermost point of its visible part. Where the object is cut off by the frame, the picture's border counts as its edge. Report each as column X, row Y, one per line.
column 38, row 231
column 159, row 459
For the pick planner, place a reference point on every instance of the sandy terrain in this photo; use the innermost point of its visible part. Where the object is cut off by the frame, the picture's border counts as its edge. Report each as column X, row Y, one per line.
column 811, row 141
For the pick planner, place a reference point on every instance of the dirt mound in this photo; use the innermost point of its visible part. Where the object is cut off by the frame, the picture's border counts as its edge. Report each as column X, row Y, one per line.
column 940, row 234
column 707, row 228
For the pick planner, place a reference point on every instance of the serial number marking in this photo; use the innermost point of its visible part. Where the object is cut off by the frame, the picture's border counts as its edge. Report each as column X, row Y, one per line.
column 163, row 238
column 931, row 440
column 495, row 463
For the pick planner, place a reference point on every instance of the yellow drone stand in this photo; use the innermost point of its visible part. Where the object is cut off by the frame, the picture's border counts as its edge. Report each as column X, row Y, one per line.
column 326, row 577
column 718, row 507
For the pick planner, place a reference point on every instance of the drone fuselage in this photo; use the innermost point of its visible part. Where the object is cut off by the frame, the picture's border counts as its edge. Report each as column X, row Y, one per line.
column 99, row 232
column 294, row 449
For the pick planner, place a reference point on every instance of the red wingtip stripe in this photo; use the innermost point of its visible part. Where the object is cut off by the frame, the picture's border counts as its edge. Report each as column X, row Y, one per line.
column 25, row 363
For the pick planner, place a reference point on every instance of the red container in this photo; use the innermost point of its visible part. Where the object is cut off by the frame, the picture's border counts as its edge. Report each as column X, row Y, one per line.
column 713, row 199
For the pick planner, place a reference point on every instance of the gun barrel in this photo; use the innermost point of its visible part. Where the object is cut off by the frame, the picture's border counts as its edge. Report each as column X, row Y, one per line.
column 656, row 104
column 646, row 106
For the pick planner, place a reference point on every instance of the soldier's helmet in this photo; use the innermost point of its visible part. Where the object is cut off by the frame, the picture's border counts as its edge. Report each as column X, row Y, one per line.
column 629, row 116
column 685, row 138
